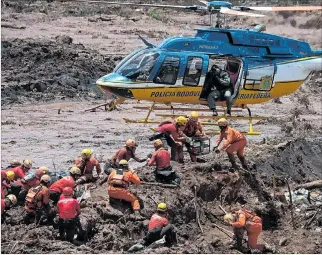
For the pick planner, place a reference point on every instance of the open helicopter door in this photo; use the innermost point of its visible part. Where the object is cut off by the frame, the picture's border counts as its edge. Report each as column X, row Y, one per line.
column 259, row 75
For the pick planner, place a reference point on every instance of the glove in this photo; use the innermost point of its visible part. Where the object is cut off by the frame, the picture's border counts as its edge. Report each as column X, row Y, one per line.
column 150, row 156
column 215, row 148
column 217, row 151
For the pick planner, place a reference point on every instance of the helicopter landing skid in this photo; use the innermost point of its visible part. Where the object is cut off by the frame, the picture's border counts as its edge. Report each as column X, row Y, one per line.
column 112, row 105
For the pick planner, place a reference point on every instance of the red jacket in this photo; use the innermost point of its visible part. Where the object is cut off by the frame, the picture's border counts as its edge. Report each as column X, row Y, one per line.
column 19, row 172
column 59, row 185
column 161, row 158
column 169, row 129
column 157, row 221
column 68, row 208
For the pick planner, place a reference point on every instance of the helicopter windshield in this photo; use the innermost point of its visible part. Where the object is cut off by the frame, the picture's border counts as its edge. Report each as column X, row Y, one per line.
column 139, row 66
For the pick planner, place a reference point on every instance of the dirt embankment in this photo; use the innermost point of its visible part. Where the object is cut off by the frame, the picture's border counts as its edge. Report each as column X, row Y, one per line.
column 35, row 70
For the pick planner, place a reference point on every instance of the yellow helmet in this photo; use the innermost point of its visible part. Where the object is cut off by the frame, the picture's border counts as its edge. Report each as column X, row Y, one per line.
column 44, row 169
column 194, row 114
column 162, row 207
column 123, row 162
column 222, row 122
column 157, row 142
column 228, row 217
column 10, row 175
column 15, row 162
column 87, row 152
column 75, row 170
column 12, row 199
column 130, row 143
column 45, row 178
column 182, row 120
column 27, row 163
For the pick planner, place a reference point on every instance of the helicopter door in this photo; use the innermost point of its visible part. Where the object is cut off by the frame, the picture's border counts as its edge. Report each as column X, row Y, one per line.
column 259, row 74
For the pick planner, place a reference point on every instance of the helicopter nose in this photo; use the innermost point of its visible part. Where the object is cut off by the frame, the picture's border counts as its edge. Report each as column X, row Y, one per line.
column 112, row 78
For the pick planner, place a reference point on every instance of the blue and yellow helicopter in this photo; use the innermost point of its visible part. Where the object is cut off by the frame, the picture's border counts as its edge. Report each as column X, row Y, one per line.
column 261, row 66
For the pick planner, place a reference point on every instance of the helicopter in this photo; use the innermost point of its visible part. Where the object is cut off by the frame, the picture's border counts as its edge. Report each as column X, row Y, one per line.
column 261, row 66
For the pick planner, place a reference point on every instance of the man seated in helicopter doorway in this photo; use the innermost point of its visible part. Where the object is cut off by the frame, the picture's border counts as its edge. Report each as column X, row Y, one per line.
column 219, row 85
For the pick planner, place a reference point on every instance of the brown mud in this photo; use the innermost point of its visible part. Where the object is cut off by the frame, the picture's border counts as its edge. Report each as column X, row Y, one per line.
column 53, row 63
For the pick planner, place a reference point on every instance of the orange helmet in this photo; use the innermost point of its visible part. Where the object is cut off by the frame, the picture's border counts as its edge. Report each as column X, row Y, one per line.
column 15, row 162
column 222, row 122
column 27, row 163
column 130, row 143
column 44, row 169
column 157, row 142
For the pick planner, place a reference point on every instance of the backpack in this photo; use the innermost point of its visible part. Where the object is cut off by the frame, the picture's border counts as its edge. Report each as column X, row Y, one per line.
column 32, row 194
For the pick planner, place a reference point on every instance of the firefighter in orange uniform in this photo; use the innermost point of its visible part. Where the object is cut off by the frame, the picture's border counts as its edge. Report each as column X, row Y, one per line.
column 86, row 163
column 20, row 171
column 118, row 184
column 68, row 211
column 234, row 142
column 244, row 220
column 7, row 203
column 6, row 182
column 37, row 201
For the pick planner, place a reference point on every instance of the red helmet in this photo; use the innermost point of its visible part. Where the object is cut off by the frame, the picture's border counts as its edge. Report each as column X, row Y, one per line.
column 68, row 192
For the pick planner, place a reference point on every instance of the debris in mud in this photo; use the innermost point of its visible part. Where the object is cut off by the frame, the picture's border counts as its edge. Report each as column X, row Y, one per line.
column 34, row 70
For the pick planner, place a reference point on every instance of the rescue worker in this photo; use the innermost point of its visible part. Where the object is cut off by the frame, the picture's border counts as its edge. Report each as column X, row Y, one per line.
column 6, row 183
column 86, row 163
column 37, row 201
column 118, row 184
column 20, row 171
column 234, row 142
column 30, row 182
column 161, row 158
column 6, row 204
column 219, row 83
column 159, row 227
column 126, row 152
column 68, row 211
column 242, row 220
column 56, row 189
column 14, row 163
column 173, row 133
column 193, row 129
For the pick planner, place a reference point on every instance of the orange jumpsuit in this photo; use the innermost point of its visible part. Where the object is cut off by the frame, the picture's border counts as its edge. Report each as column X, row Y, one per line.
column 234, row 141
column 245, row 220
column 118, row 187
column 87, row 173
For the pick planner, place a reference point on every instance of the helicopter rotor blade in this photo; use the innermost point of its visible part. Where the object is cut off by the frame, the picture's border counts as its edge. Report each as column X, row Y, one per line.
column 228, row 11
column 135, row 4
column 281, row 8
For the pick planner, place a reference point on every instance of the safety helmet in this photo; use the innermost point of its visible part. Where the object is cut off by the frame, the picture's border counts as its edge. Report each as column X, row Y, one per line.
column 123, row 162
column 194, row 114
column 182, row 120
column 130, row 143
column 45, row 178
column 68, row 191
column 27, row 163
column 10, row 175
column 75, row 170
column 222, row 122
column 12, row 199
column 87, row 152
column 162, row 207
column 15, row 162
column 44, row 169
column 39, row 173
column 228, row 217
column 157, row 142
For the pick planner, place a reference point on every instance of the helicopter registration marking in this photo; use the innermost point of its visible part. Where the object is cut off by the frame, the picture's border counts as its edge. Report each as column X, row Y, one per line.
column 254, row 96
column 175, row 94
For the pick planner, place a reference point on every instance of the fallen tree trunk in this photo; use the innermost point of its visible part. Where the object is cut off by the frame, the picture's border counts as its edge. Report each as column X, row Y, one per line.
column 310, row 185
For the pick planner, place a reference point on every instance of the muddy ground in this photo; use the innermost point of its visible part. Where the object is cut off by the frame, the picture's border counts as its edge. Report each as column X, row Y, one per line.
column 52, row 53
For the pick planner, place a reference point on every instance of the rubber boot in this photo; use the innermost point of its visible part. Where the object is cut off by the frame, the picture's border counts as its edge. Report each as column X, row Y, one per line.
column 232, row 160
column 180, row 154
column 174, row 153
column 229, row 103
column 243, row 161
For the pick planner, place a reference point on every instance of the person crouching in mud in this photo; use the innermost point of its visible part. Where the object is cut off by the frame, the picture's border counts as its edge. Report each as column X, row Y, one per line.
column 161, row 158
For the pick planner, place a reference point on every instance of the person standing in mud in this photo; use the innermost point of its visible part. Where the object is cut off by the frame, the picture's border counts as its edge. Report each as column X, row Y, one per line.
column 56, row 189
column 234, row 142
column 192, row 129
column 161, row 158
column 68, row 211
column 173, row 133
column 37, row 201
column 125, row 153
column 86, row 163
column 118, row 184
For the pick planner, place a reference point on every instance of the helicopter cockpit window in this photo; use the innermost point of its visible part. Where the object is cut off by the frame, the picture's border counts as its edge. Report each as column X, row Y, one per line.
column 139, row 66
column 193, row 71
column 168, row 71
